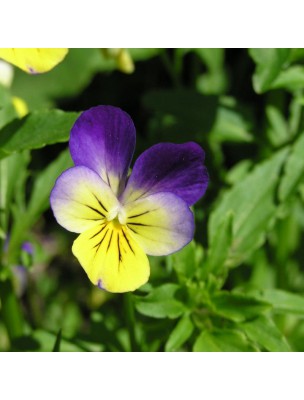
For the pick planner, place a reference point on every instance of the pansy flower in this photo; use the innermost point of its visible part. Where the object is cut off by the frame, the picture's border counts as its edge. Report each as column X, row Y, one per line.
column 121, row 219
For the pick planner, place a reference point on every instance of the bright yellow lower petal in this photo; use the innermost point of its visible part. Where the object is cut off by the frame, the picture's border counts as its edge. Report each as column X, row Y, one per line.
column 34, row 61
column 111, row 258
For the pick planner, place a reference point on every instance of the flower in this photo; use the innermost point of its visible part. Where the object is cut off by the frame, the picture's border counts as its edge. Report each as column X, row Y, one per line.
column 34, row 61
column 122, row 219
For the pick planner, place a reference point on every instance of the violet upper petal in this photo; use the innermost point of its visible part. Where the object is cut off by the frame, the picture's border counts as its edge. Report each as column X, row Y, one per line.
column 103, row 139
column 169, row 167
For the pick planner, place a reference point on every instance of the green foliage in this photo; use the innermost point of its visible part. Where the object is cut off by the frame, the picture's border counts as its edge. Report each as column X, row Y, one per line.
column 239, row 285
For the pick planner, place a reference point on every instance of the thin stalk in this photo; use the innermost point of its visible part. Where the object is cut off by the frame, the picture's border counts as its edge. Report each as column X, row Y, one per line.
column 170, row 68
column 130, row 320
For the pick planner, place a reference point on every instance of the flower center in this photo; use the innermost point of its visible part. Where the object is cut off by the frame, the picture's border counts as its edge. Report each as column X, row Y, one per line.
column 117, row 215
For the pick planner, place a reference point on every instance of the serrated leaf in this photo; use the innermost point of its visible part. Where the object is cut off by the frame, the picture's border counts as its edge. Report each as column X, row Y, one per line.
column 221, row 340
column 237, row 307
column 269, row 63
column 263, row 331
column 180, row 334
column 294, row 170
column 36, row 130
column 161, row 303
column 251, row 202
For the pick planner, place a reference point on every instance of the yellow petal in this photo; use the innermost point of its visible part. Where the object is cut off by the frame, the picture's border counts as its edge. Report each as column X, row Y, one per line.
column 34, row 61
column 111, row 258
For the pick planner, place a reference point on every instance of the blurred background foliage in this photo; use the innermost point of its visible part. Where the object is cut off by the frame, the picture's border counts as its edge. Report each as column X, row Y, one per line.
column 239, row 285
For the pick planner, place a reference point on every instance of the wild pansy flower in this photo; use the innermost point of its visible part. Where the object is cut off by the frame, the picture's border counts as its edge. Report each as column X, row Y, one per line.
column 34, row 61
column 121, row 219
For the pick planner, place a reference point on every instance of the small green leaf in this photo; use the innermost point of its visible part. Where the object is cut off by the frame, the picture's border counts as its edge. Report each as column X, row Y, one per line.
column 278, row 133
column 221, row 340
column 281, row 301
column 180, row 334
column 230, row 126
column 237, row 307
column 263, row 331
column 36, row 130
column 292, row 79
column 161, row 303
column 269, row 65
column 294, row 170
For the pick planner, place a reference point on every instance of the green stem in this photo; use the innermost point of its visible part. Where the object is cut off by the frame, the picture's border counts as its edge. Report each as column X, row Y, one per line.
column 170, row 68
column 10, row 310
column 130, row 320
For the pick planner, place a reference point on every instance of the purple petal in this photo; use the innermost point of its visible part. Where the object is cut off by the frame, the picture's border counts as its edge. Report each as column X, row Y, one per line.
column 161, row 223
column 168, row 167
column 103, row 139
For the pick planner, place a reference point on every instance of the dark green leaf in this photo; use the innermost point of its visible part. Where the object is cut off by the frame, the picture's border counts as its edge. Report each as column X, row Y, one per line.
column 221, row 340
column 36, row 130
column 180, row 334
column 237, row 307
column 263, row 331
column 161, row 303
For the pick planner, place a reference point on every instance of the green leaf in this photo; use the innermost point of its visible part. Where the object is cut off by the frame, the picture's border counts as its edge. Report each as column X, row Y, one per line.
column 237, row 307
column 281, row 301
column 221, row 340
column 251, row 202
column 161, row 303
column 180, row 334
column 185, row 261
column 292, row 79
column 263, row 331
column 38, row 202
column 230, row 126
column 238, row 172
column 294, row 170
column 269, row 63
column 219, row 246
column 278, row 133
column 44, row 183
column 36, row 130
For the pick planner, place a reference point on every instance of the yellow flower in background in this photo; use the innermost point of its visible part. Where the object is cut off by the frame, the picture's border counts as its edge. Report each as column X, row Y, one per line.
column 34, row 61
column 20, row 106
column 122, row 58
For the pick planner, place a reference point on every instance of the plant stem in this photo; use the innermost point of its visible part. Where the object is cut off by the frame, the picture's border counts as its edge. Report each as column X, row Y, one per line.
column 130, row 320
